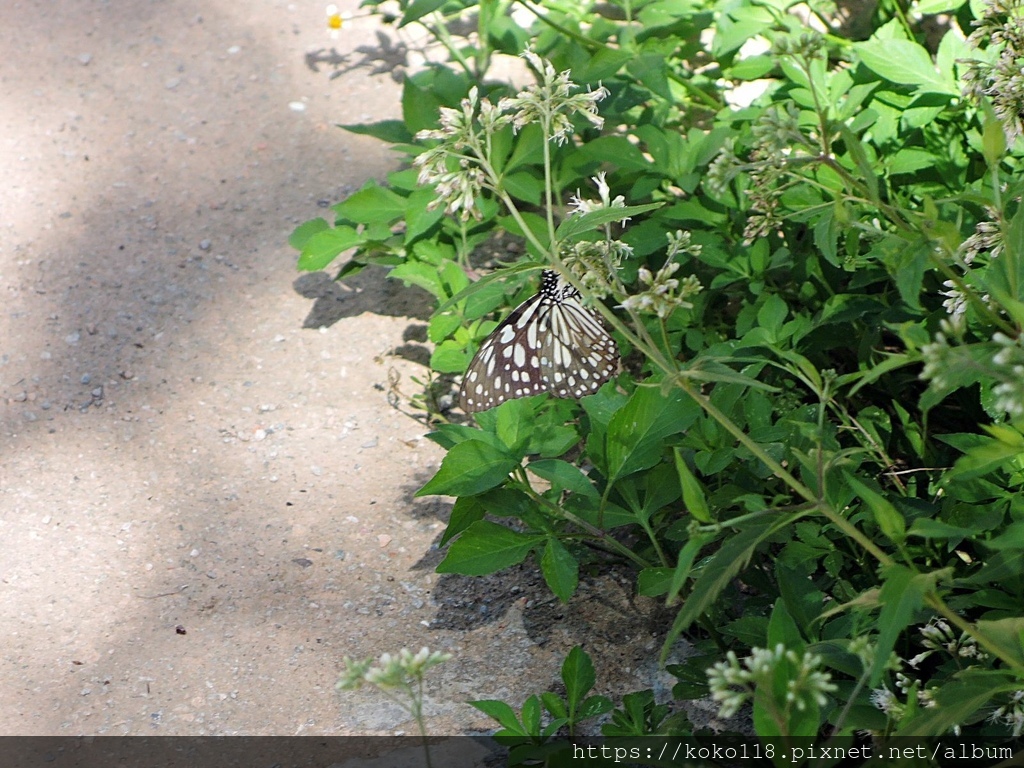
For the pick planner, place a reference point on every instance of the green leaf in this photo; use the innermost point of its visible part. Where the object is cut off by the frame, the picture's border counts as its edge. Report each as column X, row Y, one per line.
column 652, row 582
column 693, row 493
column 306, row 230
column 956, row 702
column 593, row 706
column 531, row 715
column 322, row 248
column 449, row 357
column 1008, row 634
column 782, row 629
column 372, row 205
column 587, row 222
column 907, row 268
column 751, row 630
column 390, row 131
column 420, row 104
column 616, row 150
column 802, row 599
column 772, row 314
column 418, row 9
column 423, row 275
column 905, row 62
column 469, row 468
column 637, row 432
column 514, row 423
column 503, row 713
column 466, row 511
column 564, row 476
column 419, row 219
column 716, row 575
column 889, row 519
column 927, row 528
column 486, row 547
column 684, row 565
column 902, row 594
column 993, row 141
column 560, row 569
column 930, row 7
column 860, row 156
column 578, row 676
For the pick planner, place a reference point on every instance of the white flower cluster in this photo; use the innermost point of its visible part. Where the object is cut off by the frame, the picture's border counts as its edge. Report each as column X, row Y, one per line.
column 459, row 166
column 664, row 294
column 391, row 671
column 733, row 684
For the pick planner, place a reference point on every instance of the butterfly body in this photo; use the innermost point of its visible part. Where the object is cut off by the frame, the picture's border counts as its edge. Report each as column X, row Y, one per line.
column 550, row 343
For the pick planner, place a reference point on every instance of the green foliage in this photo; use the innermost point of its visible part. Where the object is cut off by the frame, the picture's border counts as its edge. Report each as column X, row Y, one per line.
column 815, row 449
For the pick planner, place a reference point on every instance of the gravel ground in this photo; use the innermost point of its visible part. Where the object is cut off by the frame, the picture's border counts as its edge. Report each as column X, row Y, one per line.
column 205, row 499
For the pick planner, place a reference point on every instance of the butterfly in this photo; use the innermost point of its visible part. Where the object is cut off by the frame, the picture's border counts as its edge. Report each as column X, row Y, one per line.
column 550, row 343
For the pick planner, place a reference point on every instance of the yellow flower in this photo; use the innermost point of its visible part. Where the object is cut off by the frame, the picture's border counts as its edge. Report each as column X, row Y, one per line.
column 333, row 17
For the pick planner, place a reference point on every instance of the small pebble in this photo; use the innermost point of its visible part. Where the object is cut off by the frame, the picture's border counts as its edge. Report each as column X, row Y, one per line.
column 86, row 378
column 296, row 106
column 72, row 338
column 84, row 59
column 383, row 539
column 172, row 83
column 98, row 393
column 259, row 434
column 370, row 443
column 204, row 245
column 302, row 562
column 318, row 471
column 234, row 49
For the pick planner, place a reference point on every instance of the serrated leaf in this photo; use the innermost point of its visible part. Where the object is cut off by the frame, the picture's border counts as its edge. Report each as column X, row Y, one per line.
column 560, row 569
column 889, row 519
column 469, row 468
column 724, row 565
column 693, row 493
column 956, row 701
column 322, row 248
column 487, row 547
column 502, row 713
column 418, row 9
column 902, row 594
column 578, row 675
column 1008, row 634
column 587, row 222
column 391, row 131
column 564, row 476
column 306, row 230
column 449, row 357
column 905, row 62
column 653, row 582
column 372, row 205
column 637, row 432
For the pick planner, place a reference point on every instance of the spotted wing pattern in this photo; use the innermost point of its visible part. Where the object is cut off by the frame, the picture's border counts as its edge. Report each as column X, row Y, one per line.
column 550, row 343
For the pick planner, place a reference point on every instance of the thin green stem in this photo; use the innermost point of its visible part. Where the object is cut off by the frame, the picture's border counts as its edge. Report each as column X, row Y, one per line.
column 557, row 510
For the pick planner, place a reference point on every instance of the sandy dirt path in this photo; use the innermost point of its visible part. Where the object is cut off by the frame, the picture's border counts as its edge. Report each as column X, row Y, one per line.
column 205, row 498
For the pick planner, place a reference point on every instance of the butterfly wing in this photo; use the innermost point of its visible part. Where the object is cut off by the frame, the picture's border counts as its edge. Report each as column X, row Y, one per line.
column 550, row 343
column 577, row 354
column 505, row 366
